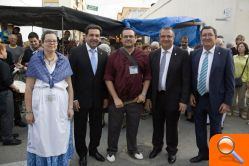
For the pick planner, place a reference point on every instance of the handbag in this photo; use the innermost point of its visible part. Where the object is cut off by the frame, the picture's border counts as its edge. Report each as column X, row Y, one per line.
column 238, row 80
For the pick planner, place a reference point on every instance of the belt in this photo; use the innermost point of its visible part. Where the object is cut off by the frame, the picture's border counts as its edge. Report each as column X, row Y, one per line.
column 204, row 95
column 130, row 101
column 162, row 92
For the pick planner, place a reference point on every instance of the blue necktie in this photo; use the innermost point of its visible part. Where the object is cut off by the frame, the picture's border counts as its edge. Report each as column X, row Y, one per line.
column 162, row 67
column 201, row 87
column 93, row 60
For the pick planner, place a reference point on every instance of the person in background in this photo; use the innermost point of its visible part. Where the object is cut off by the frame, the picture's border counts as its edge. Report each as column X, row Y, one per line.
column 6, row 101
column 184, row 44
column 17, row 54
column 154, row 45
column 139, row 44
column 241, row 65
column 32, row 49
column 238, row 39
column 16, row 31
column 49, row 106
column 146, row 48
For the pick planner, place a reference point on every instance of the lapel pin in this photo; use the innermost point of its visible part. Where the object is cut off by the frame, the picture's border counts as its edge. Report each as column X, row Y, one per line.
column 175, row 53
column 219, row 53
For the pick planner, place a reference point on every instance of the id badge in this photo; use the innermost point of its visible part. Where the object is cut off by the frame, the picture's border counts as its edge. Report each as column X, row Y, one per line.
column 133, row 69
column 51, row 96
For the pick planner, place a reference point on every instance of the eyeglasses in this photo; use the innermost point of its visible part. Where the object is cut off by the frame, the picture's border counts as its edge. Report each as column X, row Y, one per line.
column 51, row 41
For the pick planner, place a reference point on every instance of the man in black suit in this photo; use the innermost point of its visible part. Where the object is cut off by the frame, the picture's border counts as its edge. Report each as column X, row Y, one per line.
column 88, row 65
column 169, row 92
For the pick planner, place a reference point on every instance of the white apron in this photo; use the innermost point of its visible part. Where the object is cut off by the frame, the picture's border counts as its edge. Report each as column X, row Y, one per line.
column 49, row 134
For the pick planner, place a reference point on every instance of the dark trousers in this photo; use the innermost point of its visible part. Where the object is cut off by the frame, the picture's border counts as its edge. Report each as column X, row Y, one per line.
column 80, row 127
column 6, row 114
column 115, row 119
column 161, row 114
column 17, row 106
column 202, row 109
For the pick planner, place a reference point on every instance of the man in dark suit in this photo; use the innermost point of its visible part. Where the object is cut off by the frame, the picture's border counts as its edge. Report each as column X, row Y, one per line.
column 212, row 88
column 169, row 92
column 88, row 65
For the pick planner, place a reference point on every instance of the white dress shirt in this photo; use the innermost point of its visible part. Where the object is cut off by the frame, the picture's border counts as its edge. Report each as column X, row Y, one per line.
column 210, row 62
column 165, row 72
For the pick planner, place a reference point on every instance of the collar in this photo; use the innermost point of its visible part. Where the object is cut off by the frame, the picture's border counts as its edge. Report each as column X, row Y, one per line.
column 89, row 48
column 210, row 51
column 169, row 50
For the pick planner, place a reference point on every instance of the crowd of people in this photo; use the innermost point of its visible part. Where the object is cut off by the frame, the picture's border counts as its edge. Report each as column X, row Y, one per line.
column 96, row 76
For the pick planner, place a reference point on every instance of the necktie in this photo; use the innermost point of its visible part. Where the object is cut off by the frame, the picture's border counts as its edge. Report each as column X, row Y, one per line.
column 93, row 61
column 162, row 67
column 201, row 87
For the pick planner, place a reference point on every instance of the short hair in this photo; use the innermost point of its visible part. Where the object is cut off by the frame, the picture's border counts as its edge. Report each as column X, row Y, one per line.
column 92, row 26
column 145, row 46
column 209, row 27
column 240, row 37
column 17, row 28
column 127, row 29
column 155, row 43
column 166, row 28
column 33, row 35
column 245, row 45
column 184, row 37
column 46, row 33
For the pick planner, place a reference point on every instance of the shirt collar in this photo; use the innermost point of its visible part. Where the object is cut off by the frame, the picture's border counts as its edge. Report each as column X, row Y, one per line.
column 89, row 48
column 210, row 51
column 168, row 51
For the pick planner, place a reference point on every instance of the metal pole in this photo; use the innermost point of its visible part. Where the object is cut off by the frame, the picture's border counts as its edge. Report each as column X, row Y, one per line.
column 62, row 36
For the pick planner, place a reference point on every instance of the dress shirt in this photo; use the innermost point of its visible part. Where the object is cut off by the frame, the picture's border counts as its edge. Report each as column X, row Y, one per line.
column 90, row 53
column 165, row 72
column 210, row 62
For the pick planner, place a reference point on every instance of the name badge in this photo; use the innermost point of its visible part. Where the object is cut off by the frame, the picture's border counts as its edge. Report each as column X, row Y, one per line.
column 50, row 97
column 133, row 69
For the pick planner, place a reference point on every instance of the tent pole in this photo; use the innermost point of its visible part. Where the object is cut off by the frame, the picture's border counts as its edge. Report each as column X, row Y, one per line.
column 62, row 34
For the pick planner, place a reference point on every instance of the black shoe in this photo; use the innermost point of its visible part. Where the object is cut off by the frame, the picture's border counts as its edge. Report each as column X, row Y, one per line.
column 154, row 153
column 198, row 158
column 15, row 135
column 20, row 124
column 12, row 141
column 171, row 158
column 83, row 161
column 97, row 156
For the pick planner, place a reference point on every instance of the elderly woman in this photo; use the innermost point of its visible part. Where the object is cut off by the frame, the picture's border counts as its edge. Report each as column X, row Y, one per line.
column 49, row 106
column 6, row 101
column 241, row 65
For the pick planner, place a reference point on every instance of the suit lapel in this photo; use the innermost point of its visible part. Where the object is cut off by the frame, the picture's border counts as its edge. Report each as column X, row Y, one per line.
column 215, row 61
column 157, row 65
column 86, row 58
column 196, row 62
column 100, row 57
column 172, row 61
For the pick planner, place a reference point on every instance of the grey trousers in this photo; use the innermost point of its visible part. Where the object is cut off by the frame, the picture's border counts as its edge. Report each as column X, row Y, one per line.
column 6, row 114
column 115, row 119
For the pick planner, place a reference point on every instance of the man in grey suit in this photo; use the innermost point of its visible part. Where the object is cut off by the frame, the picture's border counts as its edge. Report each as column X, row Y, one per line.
column 212, row 88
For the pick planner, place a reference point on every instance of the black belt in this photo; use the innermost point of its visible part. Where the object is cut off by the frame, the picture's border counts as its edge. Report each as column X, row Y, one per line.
column 204, row 95
column 162, row 92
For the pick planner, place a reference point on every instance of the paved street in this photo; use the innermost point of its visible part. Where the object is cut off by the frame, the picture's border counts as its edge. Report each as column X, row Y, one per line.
column 15, row 155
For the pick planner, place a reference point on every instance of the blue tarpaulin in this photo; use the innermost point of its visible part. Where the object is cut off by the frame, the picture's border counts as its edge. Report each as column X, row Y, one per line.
column 151, row 28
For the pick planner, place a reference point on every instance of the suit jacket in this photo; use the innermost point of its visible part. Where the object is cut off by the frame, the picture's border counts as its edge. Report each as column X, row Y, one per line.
column 89, row 89
column 178, row 77
column 221, row 79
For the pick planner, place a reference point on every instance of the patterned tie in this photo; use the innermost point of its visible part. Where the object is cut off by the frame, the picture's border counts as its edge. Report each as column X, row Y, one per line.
column 93, row 60
column 162, row 67
column 201, row 87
